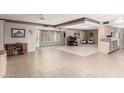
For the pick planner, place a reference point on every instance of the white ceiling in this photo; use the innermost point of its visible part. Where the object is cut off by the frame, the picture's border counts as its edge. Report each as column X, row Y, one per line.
column 54, row 19
column 85, row 25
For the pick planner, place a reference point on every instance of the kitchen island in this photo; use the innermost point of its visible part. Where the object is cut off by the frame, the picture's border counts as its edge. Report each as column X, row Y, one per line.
column 108, row 45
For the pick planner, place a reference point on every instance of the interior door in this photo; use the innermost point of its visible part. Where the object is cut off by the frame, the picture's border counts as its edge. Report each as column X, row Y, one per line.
column 37, row 38
column 33, row 40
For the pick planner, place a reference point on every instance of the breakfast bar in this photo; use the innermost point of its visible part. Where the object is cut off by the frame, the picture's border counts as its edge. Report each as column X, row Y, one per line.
column 109, row 45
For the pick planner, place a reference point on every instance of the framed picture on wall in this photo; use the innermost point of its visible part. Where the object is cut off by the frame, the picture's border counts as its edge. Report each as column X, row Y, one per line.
column 17, row 33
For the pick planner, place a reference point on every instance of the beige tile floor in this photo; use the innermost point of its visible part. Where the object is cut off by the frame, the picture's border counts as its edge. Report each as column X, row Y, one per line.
column 54, row 63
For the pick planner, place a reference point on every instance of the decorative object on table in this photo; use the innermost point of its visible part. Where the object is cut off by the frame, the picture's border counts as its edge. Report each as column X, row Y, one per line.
column 17, row 33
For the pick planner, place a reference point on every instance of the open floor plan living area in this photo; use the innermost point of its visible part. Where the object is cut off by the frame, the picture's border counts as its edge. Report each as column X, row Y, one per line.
column 61, row 45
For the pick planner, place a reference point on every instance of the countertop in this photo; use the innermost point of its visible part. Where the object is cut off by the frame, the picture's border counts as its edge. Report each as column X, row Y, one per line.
column 108, row 40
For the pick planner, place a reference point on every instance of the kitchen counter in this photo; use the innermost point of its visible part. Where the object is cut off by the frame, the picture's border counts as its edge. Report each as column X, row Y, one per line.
column 109, row 45
column 108, row 40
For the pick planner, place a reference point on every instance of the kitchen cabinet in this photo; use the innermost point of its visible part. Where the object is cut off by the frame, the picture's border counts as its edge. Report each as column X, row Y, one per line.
column 108, row 46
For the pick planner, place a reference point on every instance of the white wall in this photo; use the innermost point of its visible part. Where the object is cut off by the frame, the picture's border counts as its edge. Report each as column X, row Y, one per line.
column 62, row 42
column 121, row 37
column 1, row 34
column 30, row 38
column 70, row 33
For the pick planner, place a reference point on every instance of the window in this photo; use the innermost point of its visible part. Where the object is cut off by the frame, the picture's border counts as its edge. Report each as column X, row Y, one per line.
column 58, row 36
column 50, row 36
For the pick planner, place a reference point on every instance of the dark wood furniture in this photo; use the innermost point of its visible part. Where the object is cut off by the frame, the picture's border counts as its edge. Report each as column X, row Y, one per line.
column 72, row 41
column 10, row 49
column 16, row 49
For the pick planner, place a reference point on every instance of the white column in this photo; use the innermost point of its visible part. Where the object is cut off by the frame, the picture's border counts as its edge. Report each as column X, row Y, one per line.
column 1, row 35
column 101, row 34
